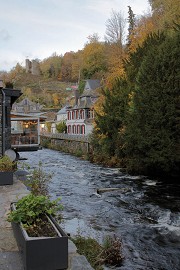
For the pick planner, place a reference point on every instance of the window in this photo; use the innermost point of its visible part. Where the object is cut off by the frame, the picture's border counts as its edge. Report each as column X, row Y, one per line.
column 77, row 114
column 69, row 115
column 83, row 129
column 78, row 129
column 73, row 113
column 88, row 113
column 74, row 129
column 69, row 129
column 81, row 114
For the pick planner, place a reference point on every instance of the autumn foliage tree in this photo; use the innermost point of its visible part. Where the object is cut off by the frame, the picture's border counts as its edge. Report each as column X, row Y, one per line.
column 166, row 13
column 138, row 127
column 94, row 59
column 51, row 66
column 115, row 47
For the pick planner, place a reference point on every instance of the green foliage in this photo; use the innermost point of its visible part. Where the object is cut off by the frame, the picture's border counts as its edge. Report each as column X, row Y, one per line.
column 6, row 165
column 89, row 248
column 106, row 136
column 94, row 60
column 61, row 127
column 132, row 23
column 78, row 153
column 48, row 126
column 37, row 181
column 81, row 86
column 151, row 134
column 32, row 210
column 31, row 207
column 140, row 120
column 110, row 253
column 46, row 142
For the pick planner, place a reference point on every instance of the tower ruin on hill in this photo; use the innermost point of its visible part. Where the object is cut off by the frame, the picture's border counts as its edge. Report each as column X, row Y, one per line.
column 32, row 67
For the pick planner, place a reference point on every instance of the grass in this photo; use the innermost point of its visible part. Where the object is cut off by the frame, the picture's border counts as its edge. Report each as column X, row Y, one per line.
column 110, row 253
column 90, row 249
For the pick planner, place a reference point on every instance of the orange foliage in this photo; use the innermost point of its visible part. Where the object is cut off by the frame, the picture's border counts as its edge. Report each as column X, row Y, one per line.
column 144, row 27
column 116, row 57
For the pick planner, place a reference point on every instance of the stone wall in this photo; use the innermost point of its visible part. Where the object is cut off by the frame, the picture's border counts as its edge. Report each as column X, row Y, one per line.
column 78, row 145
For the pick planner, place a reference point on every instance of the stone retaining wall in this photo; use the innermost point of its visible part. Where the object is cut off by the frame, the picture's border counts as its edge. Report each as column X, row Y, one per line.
column 78, row 145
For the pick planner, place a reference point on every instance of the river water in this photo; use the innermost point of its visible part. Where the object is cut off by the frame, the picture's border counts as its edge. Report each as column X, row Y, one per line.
column 144, row 213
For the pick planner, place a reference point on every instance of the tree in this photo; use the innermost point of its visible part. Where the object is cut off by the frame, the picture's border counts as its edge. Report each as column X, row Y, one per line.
column 110, row 122
column 132, row 24
column 115, row 29
column 77, row 66
column 56, row 99
column 115, row 48
column 144, row 26
column 152, row 128
column 165, row 13
column 61, row 127
column 51, row 66
column 94, row 60
column 66, row 68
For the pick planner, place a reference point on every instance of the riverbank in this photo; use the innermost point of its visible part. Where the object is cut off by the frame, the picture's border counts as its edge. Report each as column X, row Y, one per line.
column 10, row 258
column 143, row 212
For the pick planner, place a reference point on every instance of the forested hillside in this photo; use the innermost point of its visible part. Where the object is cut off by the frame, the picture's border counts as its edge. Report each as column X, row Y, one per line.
column 49, row 92
column 138, row 112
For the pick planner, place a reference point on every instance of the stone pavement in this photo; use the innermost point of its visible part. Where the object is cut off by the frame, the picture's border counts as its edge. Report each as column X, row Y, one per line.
column 10, row 258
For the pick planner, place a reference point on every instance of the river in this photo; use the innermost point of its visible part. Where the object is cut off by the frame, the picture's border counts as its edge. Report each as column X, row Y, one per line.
column 144, row 213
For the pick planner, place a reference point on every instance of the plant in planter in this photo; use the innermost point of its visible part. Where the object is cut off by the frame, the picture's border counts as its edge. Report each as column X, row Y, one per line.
column 43, row 243
column 7, row 167
column 38, row 181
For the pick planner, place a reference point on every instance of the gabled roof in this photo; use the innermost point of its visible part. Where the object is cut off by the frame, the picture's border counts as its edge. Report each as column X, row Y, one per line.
column 91, row 87
column 64, row 109
column 26, row 102
column 92, row 84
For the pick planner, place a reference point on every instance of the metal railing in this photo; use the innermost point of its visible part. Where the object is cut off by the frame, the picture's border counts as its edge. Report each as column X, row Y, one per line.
column 64, row 136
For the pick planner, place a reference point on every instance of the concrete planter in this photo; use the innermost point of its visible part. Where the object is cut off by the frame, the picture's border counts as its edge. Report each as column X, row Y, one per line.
column 6, row 178
column 42, row 253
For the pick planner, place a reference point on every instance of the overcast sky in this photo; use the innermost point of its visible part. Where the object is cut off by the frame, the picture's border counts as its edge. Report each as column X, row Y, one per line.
column 38, row 28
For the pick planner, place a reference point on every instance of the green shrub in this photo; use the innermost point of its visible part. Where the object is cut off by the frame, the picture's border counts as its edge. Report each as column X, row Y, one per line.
column 31, row 207
column 6, row 164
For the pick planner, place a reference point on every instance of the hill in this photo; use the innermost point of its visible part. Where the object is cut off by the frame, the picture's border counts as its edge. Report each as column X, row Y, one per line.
column 48, row 91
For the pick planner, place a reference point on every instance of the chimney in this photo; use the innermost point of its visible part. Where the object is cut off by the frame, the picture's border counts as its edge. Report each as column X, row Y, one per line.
column 76, row 94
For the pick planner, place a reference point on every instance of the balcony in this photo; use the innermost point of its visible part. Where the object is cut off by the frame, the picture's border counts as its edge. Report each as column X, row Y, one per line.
column 25, row 134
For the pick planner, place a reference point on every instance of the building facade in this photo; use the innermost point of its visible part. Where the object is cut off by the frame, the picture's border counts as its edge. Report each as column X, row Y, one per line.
column 7, row 98
column 80, row 118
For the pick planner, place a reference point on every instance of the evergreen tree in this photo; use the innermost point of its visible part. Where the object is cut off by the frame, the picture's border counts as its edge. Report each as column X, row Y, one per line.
column 151, row 134
column 106, row 136
column 131, row 22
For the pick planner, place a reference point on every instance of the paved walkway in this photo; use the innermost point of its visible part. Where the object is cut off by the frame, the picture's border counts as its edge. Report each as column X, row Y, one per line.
column 10, row 258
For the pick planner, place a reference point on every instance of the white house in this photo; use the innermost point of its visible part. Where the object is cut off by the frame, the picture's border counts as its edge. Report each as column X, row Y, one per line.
column 62, row 114
column 80, row 117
